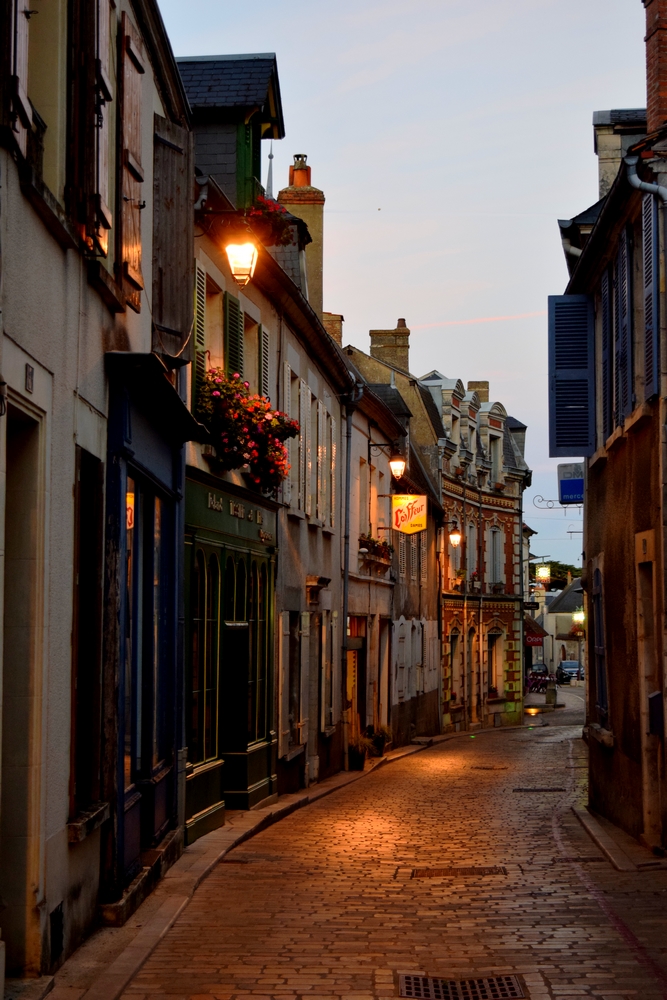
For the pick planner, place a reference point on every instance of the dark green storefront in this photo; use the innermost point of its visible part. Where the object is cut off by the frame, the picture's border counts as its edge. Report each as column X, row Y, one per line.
column 230, row 538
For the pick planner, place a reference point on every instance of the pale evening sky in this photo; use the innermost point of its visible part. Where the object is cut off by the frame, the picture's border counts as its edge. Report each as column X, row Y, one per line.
column 448, row 137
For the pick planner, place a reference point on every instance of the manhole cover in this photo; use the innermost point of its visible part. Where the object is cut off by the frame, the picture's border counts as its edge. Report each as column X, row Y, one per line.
column 539, row 789
column 488, row 988
column 444, row 872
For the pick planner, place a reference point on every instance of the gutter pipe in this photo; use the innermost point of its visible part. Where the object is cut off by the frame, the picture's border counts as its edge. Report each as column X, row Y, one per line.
column 635, row 182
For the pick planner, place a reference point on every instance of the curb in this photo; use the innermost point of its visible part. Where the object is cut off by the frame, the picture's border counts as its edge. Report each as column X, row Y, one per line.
column 602, row 839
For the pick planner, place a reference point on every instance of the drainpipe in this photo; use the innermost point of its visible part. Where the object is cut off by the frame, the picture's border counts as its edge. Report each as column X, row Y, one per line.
column 350, row 405
column 635, row 182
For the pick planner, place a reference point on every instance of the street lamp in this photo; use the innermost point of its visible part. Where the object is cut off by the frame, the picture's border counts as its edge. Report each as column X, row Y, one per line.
column 454, row 534
column 396, row 460
column 242, row 259
column 579, row 616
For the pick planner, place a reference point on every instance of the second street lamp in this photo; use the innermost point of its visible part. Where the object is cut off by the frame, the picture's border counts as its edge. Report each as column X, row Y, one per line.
column 242, row 259
column 396, row 460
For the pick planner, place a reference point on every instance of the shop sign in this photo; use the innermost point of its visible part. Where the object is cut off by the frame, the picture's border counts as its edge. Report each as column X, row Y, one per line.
column 534, row 640
column 571, row 483
column 408, row 513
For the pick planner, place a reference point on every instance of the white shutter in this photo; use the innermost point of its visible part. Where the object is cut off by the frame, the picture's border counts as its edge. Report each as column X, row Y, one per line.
column 287, row 408
column 305, row 674
column 305, row 449
column 321, row 495
column 333, row 498
column 283, row 686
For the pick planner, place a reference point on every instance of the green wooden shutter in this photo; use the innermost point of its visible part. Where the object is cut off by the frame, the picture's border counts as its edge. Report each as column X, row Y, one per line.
column 263, row 383
column 233, row 336
column 199, row 331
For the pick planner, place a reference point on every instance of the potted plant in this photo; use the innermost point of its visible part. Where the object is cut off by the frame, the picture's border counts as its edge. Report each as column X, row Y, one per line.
column 271, row 222
column 357, row 749
column 379, row 738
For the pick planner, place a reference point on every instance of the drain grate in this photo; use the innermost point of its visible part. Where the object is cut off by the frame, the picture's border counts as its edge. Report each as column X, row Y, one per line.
column 488, row 988
column 444, row 872
column 551, row 789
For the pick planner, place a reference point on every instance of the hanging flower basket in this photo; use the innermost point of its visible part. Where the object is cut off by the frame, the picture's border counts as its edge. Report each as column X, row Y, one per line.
column 270, row 222
column 246, row 433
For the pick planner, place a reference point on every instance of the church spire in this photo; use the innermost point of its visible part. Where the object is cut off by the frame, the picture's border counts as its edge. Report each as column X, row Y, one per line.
column 269, row 178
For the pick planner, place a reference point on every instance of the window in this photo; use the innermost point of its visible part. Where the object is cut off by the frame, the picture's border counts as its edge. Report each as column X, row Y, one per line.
column 496, row 567
column 599, row 647
column 471, row 549
column 494, row 661
column 205, row 658
column 496, row 459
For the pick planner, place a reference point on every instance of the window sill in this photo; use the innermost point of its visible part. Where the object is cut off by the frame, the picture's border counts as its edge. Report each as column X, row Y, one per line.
column 599, row 458
column 87, row 822
column 329, row 731
column 48, row 208
column 110, row 293
column 328, row 530
column 294, row 752
column 641, row 415
column 314, row 522
column 615, row 439
column 295, row 514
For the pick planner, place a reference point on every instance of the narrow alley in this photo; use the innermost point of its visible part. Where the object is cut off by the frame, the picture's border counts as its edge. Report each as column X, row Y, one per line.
column 341, row 898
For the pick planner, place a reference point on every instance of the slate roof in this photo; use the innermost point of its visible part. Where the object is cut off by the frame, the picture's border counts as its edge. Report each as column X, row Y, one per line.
column 227, row 81
column 392, row 398
column 569, row 599
column 514, row 424
column 432, row 410
column 620, row 116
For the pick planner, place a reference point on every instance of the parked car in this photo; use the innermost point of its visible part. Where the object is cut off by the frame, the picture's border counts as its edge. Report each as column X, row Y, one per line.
column 569, row 670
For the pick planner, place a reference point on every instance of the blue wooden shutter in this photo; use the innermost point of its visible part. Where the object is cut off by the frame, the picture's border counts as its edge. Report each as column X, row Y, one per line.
column 607, row 355
column 571, row 376
column 233, row 336
column 651, row 307
column 623, row 346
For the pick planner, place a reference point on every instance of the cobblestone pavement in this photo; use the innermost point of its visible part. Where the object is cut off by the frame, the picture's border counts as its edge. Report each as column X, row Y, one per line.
column 323, row 905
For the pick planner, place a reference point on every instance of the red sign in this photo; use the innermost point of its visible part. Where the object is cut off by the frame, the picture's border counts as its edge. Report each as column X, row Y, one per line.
column 534, row 640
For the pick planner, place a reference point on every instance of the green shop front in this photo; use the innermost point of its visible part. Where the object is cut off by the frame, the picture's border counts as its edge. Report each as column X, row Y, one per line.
column 230, row 537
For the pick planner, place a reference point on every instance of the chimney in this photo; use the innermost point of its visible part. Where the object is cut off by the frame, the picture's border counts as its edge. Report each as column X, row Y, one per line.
column 392, row 346
column 333, row 324
column 307, row 203
column 482, row 390
column 615, row 132
column 656, row 63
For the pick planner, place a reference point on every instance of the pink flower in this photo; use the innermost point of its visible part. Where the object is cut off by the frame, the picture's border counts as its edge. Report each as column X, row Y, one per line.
column 267, row 416
column 247, row 385
column 215, row 393
column 236, row 375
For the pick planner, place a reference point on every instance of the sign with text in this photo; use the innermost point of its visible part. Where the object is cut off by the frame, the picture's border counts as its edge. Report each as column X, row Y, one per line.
column 408, row 513
column 571, row 483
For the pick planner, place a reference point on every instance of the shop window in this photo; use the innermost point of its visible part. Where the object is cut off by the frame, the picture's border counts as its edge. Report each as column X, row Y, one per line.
column 495, row 662
column 205, row 659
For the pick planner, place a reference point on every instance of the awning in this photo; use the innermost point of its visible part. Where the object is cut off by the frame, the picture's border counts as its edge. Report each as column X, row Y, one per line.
column 533, row 633
column 148, row 381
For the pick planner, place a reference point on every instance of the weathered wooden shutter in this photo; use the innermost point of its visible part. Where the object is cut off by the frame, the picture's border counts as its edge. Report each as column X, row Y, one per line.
column 103, row 97
column 423, row 555
column 263, row 378
column 320, row 500
column 571, row 376
column 402, row 554
column 199, row 332
column 304, row 447
column 623, row 342
column 607, row 386
column 333, row 495
column 289, row 444
column 132, row 170
column 651, row 297
column 283, row 685
column 305, row 676
column 21, row 109
column 173, row 215
column 233, row 336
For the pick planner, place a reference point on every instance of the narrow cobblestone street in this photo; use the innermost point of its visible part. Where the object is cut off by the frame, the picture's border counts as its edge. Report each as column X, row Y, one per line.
column 324, row 904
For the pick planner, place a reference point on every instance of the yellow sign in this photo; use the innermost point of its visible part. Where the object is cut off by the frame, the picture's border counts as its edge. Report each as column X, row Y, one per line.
column 408, row 513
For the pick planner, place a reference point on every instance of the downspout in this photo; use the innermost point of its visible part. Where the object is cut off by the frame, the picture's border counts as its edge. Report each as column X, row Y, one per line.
column 350, row 405
column 635, row 182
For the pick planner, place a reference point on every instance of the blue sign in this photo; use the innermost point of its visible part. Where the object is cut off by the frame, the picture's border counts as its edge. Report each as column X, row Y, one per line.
column 571, row 483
